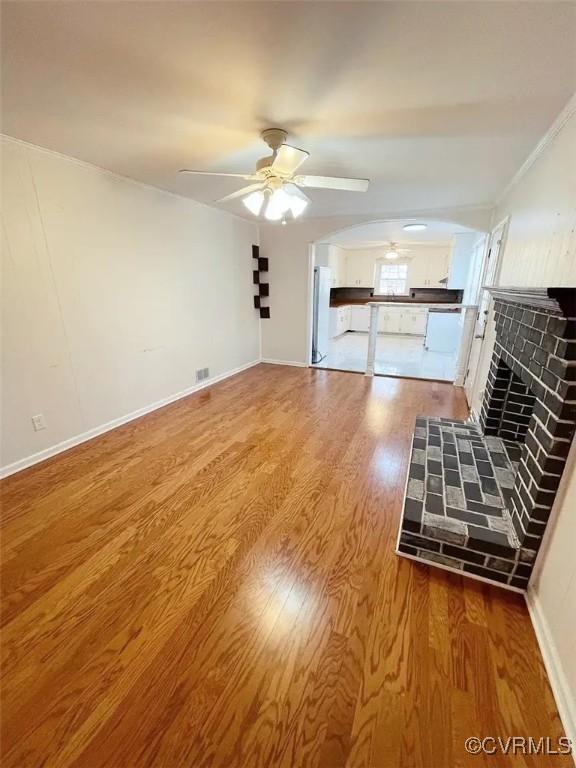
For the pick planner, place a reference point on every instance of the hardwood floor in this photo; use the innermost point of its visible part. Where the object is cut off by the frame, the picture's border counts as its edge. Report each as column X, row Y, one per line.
column 216, row 585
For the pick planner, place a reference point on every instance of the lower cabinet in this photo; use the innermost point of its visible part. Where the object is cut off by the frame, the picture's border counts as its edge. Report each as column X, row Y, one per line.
column 414, row 322
column 359, row 318
column 401, row 320
column 333, row 322
column 339, row 320
column 390, row 320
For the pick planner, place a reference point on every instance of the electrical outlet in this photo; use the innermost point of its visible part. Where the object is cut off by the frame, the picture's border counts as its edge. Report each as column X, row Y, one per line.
column 38, row 422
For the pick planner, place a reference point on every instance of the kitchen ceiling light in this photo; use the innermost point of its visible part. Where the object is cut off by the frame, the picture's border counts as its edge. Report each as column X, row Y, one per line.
column 414, row 227
column 254, row 202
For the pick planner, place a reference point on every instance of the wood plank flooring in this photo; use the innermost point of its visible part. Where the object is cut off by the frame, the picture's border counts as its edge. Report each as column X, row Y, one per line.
column 215, row 585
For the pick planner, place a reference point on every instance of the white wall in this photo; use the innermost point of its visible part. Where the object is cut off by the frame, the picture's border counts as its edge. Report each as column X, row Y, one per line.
column 113, row 295
column 540, row 247
column 541, row 240
column 552, row 598
column 540, row 250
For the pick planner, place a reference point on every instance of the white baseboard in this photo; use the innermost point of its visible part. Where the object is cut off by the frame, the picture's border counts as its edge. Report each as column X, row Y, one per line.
column 36, row 458
column 565, row 698
column 270, row 361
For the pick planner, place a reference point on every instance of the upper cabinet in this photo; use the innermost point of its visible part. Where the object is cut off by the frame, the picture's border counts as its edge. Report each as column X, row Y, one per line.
column 428, row 267
column 360, row 271
column 338, row 266
column 331, row 256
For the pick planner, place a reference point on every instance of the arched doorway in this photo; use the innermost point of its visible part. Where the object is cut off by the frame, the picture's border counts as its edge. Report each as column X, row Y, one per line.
column 408, row 268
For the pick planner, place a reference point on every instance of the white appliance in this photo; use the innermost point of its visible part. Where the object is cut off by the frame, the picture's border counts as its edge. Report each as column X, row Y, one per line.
column 321, row 314
column 443, row 330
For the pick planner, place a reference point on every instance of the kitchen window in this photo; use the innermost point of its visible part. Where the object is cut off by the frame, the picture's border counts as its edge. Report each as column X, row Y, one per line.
column 393, row 279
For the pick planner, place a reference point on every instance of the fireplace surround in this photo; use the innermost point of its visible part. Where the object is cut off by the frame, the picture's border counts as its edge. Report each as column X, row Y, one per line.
column 479, row 495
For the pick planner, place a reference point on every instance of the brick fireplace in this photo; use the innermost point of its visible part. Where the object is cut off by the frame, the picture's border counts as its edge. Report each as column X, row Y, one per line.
column 478, row 496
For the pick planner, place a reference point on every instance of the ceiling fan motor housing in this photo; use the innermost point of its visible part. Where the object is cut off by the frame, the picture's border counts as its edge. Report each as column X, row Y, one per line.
column 274, row 137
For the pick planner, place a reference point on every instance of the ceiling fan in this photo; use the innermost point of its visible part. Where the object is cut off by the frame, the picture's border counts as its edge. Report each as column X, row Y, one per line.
column 276, row 188
column 393, row 252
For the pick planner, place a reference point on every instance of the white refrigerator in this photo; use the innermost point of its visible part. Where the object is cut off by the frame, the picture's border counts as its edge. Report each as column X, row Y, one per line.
column 321, row 314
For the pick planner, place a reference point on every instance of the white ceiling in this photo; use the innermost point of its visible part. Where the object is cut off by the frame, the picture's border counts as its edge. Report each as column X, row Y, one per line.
column 438, row 103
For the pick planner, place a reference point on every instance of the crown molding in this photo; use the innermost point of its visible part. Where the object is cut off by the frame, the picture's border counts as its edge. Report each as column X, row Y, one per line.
column 5, row 137
column 567, row 112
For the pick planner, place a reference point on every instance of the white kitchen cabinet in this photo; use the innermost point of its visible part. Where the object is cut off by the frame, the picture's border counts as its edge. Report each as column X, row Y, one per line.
column 390, row 320
column 334, row 272
column 335, row 259
column 414, row 322
column 333, row 322
column 360, row 273
column 439, row 268
column 337, row 262
column 382, row 319
column 345, row 313
column 417, row 273
column 426, row 271
column 339, row 320
column 359, row 318
column 408, row 320
column 356, row 317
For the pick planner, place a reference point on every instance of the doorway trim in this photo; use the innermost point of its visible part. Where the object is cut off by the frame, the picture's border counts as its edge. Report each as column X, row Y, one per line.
column 491, row 272
column 310, row 303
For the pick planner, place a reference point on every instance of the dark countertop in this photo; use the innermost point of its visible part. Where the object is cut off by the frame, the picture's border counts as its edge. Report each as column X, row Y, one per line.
column 387, row 300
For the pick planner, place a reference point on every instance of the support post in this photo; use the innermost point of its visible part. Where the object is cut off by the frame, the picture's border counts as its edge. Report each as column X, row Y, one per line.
column 372, row 338
column 469, row 323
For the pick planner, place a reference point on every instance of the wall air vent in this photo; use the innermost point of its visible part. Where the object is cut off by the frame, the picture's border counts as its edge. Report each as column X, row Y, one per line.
column 202, row 374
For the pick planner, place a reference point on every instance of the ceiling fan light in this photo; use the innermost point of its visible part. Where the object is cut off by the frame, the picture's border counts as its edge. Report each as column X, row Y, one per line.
column 254, row 202
column 278, row 205
column 298, row 200
column 272, row 214
column 391, row 254
column 297, row 205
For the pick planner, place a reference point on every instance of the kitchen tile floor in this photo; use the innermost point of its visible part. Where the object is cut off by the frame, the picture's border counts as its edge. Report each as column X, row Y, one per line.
column 396, row 355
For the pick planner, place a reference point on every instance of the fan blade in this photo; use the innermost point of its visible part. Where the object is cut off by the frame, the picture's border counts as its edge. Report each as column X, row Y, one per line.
column 288, row 159
column 245, row 176
column 332, row 182
column 241, row 192
column 297, row 191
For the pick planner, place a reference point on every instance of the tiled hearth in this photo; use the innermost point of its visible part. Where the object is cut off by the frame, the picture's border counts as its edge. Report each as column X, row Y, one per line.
column 478, row 496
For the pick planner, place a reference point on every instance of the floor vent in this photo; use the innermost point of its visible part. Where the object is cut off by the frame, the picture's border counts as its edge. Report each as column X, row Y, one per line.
column 202, row 374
